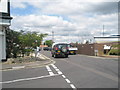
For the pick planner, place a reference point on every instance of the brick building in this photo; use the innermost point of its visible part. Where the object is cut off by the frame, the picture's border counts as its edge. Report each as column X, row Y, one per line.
column 101, row 47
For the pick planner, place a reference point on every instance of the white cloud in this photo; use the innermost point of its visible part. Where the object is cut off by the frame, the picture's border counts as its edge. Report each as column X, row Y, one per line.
column 71, row 21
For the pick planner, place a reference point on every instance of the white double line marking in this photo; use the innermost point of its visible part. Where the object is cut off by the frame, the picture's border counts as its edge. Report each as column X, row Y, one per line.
column 67, row 80
column 49, row 70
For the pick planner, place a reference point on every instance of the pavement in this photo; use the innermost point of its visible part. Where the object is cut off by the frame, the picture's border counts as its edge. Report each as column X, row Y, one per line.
column 44, row 61
column 110, row 56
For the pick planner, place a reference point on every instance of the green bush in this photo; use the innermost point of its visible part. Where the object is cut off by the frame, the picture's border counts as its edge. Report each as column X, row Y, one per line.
column 115, row 50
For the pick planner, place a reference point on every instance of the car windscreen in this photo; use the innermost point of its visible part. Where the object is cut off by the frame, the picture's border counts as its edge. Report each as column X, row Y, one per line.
column 69, row 45
column 62, row 45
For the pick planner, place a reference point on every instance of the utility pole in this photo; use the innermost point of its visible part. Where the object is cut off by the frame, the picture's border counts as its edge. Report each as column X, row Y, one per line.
column 103, row 30
column 53, row 36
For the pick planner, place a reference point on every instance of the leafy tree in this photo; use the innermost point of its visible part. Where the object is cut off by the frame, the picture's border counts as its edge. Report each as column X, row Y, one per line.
column 12, row 43
column 48, row 42
column 22, row 42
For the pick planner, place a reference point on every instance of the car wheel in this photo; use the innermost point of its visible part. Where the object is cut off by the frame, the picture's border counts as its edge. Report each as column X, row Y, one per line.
column 66, row 56
column 74, row 53
column 52, row 55
column 55, row 56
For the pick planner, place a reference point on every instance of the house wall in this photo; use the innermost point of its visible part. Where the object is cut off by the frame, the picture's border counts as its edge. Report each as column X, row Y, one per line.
column 2, row 44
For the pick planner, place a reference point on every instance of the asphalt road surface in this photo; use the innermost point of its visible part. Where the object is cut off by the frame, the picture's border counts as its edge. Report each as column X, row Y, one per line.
column 77, row 71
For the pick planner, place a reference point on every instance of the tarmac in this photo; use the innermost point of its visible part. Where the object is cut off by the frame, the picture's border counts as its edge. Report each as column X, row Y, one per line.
column 44, row 61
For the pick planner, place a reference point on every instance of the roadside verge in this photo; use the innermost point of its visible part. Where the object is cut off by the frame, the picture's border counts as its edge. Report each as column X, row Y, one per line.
column 41, row 63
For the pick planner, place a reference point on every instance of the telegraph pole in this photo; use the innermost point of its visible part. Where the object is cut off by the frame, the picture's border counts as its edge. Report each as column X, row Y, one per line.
column 53, row 36
column 103, row 30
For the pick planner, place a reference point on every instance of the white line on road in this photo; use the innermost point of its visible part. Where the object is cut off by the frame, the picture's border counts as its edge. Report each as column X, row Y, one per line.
column 68, row 81
column 72, row 86
column 51, row 73
column 45, row 56
column 18, row 67
column 57, row 69
column 63, row 76
column 53, row 66
column 59, row 72
column 48, row 68
column 26, row 79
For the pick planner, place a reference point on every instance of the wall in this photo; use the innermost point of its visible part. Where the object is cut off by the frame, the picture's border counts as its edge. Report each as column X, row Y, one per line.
column 96, row 49
column 86, row 49
column 2, row 44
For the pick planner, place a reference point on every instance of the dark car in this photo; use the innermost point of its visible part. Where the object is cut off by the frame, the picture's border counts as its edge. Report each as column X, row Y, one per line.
column 60, row 50
column 46, row 48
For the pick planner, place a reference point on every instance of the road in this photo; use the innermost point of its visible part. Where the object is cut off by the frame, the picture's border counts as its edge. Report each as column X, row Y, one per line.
column 77, row 71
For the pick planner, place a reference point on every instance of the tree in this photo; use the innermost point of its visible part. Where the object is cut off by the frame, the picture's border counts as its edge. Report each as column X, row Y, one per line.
column 22, row 42
column 30, row 40
column 12, row 43
column 48, row 42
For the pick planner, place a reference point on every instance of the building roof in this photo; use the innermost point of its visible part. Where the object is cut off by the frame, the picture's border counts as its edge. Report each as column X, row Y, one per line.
column 104, row 39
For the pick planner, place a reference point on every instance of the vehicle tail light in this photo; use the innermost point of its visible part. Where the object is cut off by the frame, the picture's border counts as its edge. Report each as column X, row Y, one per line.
column 56, row 48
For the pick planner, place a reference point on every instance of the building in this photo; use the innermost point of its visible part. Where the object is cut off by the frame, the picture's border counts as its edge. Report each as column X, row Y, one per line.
column 5, row 21
column 104, row 44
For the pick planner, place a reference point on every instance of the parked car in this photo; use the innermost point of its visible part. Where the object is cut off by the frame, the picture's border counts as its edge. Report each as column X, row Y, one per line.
column 47, row 48
column 72, row 50
column 60, row 50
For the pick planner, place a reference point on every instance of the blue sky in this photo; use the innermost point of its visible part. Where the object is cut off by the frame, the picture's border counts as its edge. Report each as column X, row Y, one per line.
column 23, row 11
column 70, row 20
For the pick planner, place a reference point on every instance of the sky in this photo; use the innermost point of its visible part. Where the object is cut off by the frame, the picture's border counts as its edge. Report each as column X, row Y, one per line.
column 70, row 20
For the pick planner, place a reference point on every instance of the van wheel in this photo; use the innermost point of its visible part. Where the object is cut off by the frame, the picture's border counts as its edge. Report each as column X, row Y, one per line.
column 52, row 55
column 66, row 56
column 74, row 53
column 55, row 56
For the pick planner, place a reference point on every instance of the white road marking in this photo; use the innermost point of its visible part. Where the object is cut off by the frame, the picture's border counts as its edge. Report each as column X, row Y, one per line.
column 51, row 73
column 53, row 66
column 48, row 68
column 72, row 86
column 59, row 72
column 68, row 81
column 45, row 56
column 63, row 76
column 27, row 79
column 18, row 67
column 57, row 69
